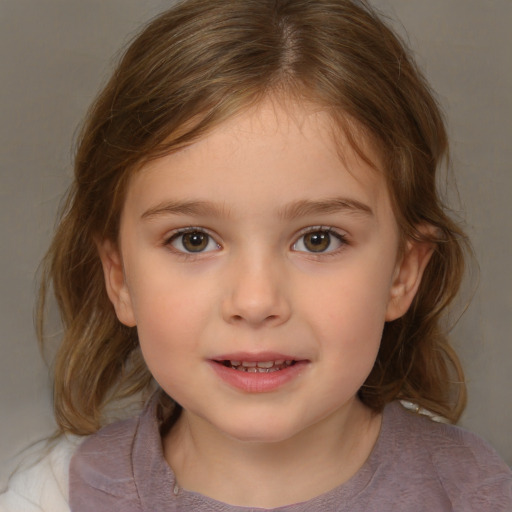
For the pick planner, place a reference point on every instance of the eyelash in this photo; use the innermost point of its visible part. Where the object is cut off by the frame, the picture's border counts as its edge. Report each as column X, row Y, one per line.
column 331, row 232
column 168, row 242
column 341, row 238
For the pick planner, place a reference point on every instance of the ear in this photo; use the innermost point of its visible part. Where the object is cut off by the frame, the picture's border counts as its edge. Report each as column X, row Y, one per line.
column 407, row 278
column 115, row 282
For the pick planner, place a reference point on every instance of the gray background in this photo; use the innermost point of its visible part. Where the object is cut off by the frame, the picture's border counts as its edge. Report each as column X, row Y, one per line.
column 54, row 54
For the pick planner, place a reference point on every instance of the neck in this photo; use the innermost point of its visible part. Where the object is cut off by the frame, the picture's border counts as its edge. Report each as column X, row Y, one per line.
column 269, row 475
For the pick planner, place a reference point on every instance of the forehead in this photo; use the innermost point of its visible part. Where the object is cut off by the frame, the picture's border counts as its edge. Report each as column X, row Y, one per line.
column 275, row 151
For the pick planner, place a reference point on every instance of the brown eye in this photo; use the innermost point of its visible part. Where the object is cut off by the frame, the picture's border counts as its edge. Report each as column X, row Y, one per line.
column 193, row 242
column 319, row 241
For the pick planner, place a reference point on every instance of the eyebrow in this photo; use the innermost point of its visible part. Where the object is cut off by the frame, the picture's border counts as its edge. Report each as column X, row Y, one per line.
column 307, row 207
column 193, row 208
column 296, row 209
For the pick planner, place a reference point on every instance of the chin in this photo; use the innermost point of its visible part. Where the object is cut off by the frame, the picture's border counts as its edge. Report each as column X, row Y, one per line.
column 261, row 432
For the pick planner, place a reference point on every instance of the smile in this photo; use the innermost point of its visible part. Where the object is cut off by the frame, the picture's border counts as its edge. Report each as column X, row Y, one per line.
column 258, row 373
column 258, row 366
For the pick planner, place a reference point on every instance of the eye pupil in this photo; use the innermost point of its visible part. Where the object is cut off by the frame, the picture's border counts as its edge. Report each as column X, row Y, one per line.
column 318, row 241
column 195, row 241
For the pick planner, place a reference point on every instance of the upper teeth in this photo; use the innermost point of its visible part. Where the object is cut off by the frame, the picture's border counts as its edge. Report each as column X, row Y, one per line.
column 260, row 366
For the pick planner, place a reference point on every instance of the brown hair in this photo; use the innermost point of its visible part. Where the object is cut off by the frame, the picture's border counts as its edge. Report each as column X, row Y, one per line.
column 193, row 67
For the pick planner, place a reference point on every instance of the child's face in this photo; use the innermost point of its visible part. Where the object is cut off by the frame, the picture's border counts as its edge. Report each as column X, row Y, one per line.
column 259, row 244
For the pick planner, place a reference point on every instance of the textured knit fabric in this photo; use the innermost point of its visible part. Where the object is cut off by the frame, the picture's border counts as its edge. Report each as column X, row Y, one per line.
column 416, row 465
column 41, row 483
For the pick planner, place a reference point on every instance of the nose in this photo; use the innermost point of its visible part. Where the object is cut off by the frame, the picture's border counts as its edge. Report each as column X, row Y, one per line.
column 256, row 293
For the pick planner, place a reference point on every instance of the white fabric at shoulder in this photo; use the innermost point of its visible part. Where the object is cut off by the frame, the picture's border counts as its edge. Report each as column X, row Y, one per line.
column 41, row 482
column 411, row 406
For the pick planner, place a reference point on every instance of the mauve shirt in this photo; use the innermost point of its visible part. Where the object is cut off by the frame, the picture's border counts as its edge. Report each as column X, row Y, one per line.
column 416, row 465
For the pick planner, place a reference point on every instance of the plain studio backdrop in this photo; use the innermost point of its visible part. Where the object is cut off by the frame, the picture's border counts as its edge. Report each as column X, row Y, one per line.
column 55, row 54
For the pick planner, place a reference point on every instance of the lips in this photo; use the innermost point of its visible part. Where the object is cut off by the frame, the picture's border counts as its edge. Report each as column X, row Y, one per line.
column 258, row 373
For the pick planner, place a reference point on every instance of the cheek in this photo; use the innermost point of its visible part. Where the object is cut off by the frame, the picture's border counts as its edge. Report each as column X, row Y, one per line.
column 163, row 293
column 166, row 321
column 168, row 339
column 354, row 297
column 162, row 312
column 347, row 314
column 352, row 339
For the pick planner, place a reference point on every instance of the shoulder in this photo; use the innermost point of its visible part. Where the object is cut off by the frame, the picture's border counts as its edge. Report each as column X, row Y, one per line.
column 104, row 460
column 470, row 472
column 121, row 467
column 447, row 445
column 41, row 481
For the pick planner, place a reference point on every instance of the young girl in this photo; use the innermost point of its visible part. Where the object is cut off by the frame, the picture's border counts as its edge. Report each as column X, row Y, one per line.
column 253, row 246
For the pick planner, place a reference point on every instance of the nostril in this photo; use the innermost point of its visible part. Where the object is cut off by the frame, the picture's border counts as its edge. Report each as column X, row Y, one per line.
column 255, row 309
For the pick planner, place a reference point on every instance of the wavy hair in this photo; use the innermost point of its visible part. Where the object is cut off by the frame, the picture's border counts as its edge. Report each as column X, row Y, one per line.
column 190, row 69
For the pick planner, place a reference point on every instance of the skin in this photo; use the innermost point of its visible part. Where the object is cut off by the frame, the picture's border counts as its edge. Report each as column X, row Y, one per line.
column 256, row 186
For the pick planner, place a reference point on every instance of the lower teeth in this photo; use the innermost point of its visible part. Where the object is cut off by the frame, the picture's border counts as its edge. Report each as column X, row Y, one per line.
column 255, row 369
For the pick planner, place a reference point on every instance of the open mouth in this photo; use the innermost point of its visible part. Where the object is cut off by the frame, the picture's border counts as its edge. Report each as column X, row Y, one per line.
column 258, row 373
column 258, row 366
